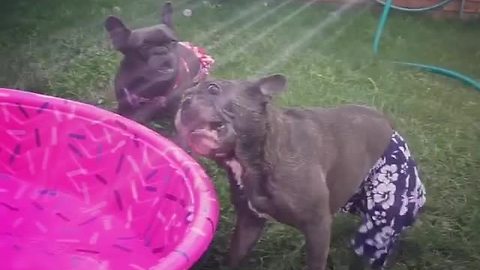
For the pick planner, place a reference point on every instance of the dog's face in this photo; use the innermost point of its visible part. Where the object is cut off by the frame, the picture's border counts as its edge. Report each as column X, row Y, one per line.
column 213, row 113
column 153, row 46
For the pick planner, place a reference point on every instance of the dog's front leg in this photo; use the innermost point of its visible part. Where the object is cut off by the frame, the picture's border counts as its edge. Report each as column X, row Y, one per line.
column 256, row 193
column 317, row 236
column 248, row 229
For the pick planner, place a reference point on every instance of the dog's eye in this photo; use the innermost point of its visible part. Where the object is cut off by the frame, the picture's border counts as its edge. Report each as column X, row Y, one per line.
column 217, row 126
column 195, row 82
column 186, row 100
column 213, row 89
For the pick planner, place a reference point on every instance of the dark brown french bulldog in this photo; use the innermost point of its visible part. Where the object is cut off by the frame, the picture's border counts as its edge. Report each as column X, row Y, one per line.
column 156, row 68
column 301, row 166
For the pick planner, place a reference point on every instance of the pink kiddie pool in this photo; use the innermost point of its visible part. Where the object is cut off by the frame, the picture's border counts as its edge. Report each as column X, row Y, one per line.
column 83, row 188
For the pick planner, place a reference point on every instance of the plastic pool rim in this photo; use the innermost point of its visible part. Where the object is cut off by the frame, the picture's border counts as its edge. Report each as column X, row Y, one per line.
column 206, row 202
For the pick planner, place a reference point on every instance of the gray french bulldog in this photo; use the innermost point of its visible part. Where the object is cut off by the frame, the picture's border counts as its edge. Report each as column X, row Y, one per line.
column 301, row 166
column 156, row 68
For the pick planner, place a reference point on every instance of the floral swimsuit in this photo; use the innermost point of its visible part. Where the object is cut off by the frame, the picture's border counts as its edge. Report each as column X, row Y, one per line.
column 388, row 201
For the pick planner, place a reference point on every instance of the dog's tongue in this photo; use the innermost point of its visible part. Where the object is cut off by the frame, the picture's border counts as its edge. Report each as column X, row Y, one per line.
column 203, row 141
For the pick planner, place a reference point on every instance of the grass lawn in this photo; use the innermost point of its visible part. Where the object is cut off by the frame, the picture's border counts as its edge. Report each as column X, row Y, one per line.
column 60, row 48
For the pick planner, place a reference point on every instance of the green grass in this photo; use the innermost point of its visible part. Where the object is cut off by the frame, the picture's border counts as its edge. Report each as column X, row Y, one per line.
column 60, row 48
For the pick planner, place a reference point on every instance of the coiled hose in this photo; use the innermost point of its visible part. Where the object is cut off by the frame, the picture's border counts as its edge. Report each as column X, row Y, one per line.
column 388, row 5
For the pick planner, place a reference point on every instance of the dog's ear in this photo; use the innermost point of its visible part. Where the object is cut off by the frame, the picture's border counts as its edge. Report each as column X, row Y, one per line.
column 169, row 34
column 118, row 32
column 167, row 12
column 272, row 85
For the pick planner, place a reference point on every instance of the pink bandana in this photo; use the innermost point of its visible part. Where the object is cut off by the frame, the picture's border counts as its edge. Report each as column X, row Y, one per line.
column 206, row 61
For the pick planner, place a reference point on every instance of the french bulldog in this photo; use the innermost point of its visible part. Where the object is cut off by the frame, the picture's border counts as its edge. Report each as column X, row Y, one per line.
column 302, row 166
column 156, row 68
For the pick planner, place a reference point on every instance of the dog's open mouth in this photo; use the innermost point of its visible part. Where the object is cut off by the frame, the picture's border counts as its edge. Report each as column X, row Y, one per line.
column 204, row 140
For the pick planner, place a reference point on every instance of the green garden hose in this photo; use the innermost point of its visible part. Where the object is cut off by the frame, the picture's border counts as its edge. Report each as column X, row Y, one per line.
column 437, row 70
column 432, row 7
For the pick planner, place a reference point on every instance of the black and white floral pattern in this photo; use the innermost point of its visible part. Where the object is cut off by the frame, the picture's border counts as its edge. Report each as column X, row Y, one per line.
column 388, row 201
